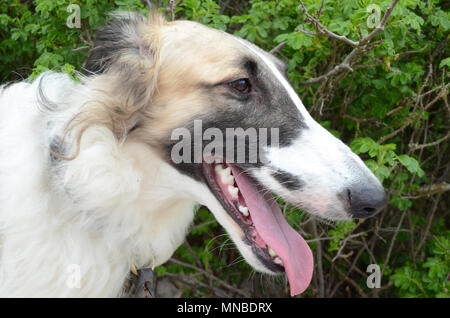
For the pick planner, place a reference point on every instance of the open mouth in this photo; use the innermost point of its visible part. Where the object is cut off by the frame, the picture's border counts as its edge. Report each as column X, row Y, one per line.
column 272, row 240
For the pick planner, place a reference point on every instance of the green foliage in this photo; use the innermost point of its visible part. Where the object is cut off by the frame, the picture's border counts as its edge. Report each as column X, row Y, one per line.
column 382, row 163
column 445, row 62
column 429, row 278
column 343, row 228
column 34, row 35
column 205, row 12
column 384, row 101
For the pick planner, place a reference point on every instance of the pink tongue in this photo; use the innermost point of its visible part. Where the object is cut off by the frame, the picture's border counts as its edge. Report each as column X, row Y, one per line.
column 277, row 233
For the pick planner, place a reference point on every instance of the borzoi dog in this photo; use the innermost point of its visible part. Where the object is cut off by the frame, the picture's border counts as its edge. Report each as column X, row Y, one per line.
column 87, row 179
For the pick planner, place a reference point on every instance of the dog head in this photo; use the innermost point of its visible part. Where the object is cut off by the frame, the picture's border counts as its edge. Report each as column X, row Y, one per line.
column 178, row 86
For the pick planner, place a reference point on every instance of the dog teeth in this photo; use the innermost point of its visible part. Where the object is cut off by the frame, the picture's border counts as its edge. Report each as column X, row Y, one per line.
column 225, row 174
column 227, row 179
column 278, row 261
column 272, row 252
column 233, row 191
column 244, row 210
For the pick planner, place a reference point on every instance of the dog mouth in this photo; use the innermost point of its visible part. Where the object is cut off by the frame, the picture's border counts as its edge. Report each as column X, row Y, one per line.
column 272, row 240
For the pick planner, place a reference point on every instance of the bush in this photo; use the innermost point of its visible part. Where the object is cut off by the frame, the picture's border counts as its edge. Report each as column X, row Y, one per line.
column 388, row 100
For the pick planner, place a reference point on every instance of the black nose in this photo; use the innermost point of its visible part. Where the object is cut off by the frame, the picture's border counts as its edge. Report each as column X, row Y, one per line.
column 365, row 201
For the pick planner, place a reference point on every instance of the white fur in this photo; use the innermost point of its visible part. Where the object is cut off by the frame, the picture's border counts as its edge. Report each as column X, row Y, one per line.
column 113, row 205
column 327, row 167
column 97, row 211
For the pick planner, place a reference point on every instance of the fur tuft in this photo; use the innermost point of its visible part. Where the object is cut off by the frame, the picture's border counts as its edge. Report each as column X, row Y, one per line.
column 123, row 69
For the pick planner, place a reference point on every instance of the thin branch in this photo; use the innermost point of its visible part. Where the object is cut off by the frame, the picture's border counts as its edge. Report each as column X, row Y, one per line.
column 278, row 48
column 322, row 30
column 381, row 26
column 211, row 276
column 411, row 119
column 392, row 242
column 434, row 189
column 192, row 281
column 343, row 66
column 194, row 256
column 360, row 47
column 430, row 144
column 80, row 48
column 395, row 110
column 319, row 262
column 172, row 6
column 320, row 9
column 402, row 54
column 352, row 267
column 344, row 242
column 428, row 226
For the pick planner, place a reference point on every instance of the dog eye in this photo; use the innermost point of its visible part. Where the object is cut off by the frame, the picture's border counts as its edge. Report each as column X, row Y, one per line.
column 241, row 85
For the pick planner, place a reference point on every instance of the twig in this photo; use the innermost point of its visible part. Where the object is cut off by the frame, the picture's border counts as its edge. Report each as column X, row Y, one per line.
column 80, row 48
column 352, row 267
column 360, row 47
column 344, row 242
column 320, row 9
column 381, row 26
column 395, row 110
column 388, row 255
column 344, row 65
column 428, row 226
column 211, row 276
column 353, row 283
column 412, row 118
column 411, row 239
column 319, row 262
column 196, row 227
column 191, row 251
column 402, row 54
column 434, row 189
column 362, row 120
column 192, row 281
column 348, row 279
column 434, row 143
column 322, row 30
column 172, row 6
column 278, row 48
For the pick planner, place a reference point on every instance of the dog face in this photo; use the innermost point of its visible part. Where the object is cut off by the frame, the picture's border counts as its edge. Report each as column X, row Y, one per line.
column 170, row 75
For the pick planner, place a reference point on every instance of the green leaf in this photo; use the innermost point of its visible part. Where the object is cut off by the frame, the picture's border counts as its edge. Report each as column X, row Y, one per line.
column 363, row 145
column 382, row 173
column 445, row 62
column 411, row 164
column 160, row 271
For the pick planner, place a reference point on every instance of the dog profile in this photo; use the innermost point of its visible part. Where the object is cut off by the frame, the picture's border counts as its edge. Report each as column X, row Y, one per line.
column 87, row 178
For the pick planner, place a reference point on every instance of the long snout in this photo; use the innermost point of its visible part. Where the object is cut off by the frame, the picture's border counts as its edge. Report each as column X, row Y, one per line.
column 335, row 182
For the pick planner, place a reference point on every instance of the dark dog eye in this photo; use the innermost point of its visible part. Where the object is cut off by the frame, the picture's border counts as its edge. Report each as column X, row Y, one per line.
column 241, row 85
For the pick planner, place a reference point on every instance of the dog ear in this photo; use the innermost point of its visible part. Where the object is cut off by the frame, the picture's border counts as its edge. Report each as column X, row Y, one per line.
column 124, row 66
column 127, row 51
column 121, row 37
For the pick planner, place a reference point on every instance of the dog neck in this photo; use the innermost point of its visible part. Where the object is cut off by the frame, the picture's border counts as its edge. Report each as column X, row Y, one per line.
column 115, row 203
column 129, row 195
